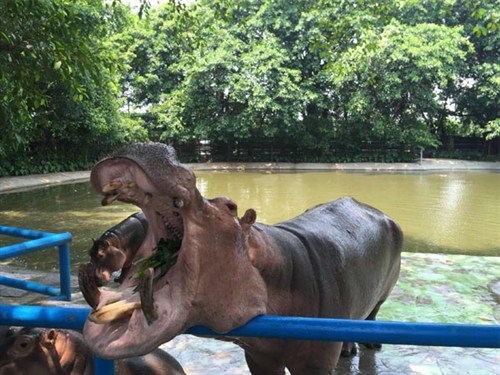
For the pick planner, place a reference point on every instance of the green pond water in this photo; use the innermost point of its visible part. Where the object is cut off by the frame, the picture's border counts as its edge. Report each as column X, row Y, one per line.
column 445, row 212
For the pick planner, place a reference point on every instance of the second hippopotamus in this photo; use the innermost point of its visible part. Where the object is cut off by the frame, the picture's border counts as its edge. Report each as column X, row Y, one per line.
column 38, row 351
column 117, row 247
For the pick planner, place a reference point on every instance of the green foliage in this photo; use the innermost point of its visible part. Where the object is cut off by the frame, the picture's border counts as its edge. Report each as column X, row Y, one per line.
column 59, row 84
column 322, row 79
column 308, row 80
column 163, row 258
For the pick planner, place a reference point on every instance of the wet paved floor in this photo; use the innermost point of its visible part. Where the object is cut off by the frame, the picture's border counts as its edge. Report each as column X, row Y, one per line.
column 432, row 288
column 209, row 357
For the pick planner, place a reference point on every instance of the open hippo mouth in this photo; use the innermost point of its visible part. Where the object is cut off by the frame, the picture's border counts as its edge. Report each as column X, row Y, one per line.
column 156, row 293
column 193, row 268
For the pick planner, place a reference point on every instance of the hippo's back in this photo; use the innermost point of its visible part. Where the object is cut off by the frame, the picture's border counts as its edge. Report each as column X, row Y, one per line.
column 353, row 249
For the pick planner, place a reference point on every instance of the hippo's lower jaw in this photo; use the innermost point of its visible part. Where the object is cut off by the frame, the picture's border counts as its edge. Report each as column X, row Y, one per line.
column 126, row 315
column 121, row 328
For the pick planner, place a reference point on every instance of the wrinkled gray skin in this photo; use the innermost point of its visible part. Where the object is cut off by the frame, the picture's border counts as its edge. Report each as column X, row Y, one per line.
column 37, row 351
column 117, row 248
column 339, row 259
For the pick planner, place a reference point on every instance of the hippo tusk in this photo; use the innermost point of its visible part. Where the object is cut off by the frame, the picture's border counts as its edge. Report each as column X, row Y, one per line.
column 89, row 284
column 111, row 186
column 146, row 293
column 113, row 311
column 109, row 198
column 178, row 203
column 147, row 199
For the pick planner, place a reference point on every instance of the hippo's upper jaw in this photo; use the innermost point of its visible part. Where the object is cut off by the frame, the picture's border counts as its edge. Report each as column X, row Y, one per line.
column 155, row 305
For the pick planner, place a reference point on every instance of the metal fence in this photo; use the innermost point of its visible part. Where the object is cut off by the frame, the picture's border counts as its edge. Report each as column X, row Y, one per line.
column 39, row 241
column 429, row 334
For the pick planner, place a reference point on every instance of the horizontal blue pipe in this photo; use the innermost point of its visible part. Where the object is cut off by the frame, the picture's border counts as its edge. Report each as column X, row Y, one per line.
column 22, row 232
column 431, row 334
column 30, row 286
column 44, row 316
column 26, row 247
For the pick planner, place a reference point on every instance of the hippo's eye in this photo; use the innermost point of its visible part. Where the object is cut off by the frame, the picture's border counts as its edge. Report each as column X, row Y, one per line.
column 232, row 207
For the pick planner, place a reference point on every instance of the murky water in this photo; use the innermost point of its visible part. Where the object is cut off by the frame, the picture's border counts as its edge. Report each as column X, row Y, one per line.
column 454, row 212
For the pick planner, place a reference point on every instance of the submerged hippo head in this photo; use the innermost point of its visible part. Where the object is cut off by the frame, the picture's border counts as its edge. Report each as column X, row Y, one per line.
column 212, row 281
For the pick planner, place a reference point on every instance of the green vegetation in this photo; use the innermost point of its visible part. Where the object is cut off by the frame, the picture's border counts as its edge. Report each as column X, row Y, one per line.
column 60, row 69
column 309, row 80
column 163, row 257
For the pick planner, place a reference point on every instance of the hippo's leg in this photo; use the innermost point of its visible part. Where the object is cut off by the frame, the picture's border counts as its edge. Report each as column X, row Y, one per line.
column 372, row 316
column 260, row 366
column 349, row 348
column 321, row 359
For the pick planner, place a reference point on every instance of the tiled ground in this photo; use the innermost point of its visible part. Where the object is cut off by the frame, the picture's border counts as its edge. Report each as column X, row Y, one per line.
column 432, row 288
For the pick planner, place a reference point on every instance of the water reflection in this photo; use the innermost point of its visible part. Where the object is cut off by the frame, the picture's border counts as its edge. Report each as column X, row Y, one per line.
column 439, row 212
column 454, row 212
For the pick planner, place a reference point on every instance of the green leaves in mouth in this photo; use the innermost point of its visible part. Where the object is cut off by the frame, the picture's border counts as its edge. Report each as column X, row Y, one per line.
column 163, row 257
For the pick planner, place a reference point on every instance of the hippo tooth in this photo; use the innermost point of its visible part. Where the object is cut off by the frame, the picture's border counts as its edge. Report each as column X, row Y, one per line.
column 146, row 293
column 88, row 284
column 178, row 202
column 147, row 199
column 113, row 185
column 113, row 312
column 109, row 198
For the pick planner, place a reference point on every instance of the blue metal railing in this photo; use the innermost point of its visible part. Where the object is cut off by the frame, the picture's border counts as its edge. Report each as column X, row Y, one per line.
column 39, row 241
column 432, row 334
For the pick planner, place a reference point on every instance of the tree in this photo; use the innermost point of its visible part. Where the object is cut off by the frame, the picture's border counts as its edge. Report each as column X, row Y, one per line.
column 58, row 81
column 396, row 83
column 319, row 78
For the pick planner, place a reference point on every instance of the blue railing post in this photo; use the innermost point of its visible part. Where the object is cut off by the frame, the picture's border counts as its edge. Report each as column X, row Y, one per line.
column 65, row 271
column 103, row 366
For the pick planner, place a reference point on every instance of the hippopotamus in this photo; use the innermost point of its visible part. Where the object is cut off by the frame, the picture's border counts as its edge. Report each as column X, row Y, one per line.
column 337, row 260
column 117, row 247
column 35, row 351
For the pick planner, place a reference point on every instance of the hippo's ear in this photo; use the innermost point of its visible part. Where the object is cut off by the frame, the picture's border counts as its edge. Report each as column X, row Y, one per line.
column 249, row 217
column 49, row 336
